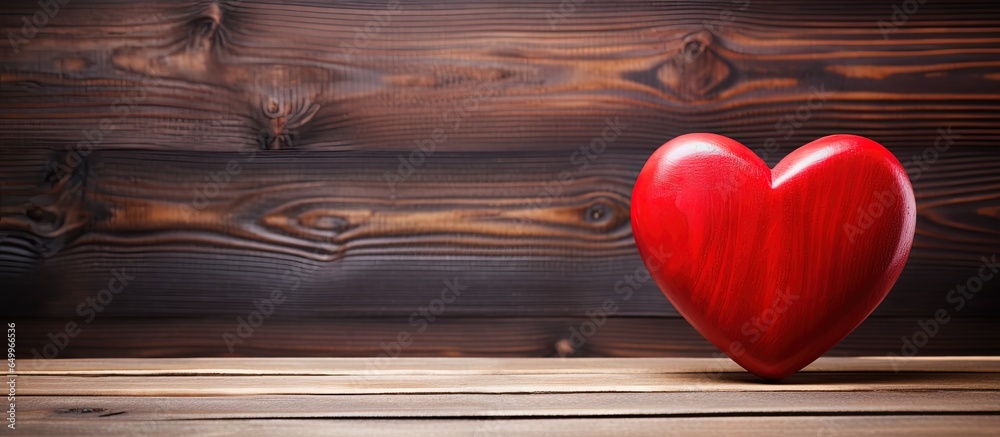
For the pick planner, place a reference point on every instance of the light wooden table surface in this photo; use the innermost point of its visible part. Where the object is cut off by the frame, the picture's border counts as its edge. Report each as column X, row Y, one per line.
column 498, row 396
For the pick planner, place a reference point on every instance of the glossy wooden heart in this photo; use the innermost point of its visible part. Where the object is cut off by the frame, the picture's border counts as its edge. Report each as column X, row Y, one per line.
column 773, row 267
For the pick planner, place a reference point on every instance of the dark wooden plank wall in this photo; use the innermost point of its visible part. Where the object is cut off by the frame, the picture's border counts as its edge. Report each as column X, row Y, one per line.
column 216, row 151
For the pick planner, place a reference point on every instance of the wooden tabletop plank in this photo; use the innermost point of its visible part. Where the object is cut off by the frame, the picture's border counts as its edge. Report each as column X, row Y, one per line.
column 488, row 396
column 903, row 425
column 518, row 383
column 477, row 366
column 130, row 408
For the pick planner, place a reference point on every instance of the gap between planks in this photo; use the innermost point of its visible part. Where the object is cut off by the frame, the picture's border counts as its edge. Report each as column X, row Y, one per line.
column 904, row 425
column 372, row 366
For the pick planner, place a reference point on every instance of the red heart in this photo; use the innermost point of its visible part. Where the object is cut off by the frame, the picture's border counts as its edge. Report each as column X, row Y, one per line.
column 773, row 267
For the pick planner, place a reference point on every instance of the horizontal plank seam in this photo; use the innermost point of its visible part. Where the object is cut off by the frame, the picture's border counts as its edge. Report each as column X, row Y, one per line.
column 624, row 416
column 84, row 374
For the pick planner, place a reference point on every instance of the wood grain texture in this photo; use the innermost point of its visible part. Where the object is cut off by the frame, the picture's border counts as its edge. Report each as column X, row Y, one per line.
column 364, row 248
column 168, row 94
column 212, row 74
